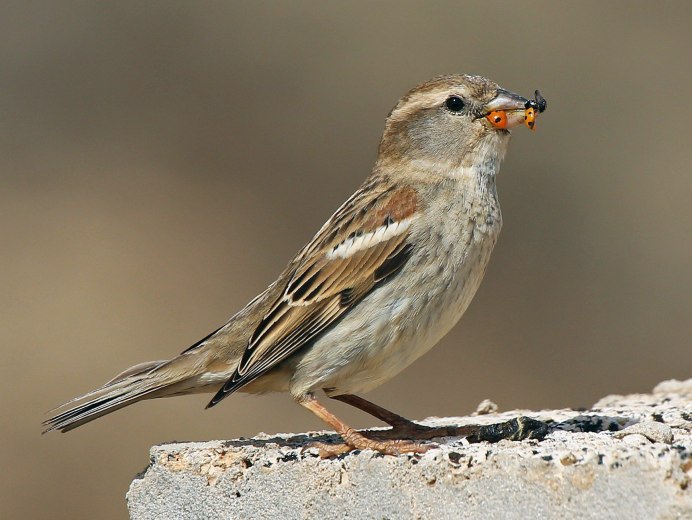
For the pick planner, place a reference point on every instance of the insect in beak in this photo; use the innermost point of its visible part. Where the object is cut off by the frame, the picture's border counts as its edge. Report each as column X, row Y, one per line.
column 509, row 115
column 533, row 107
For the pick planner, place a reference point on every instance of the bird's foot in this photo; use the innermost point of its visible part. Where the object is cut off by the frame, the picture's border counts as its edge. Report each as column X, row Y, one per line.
column 404, row 436
column 402, row 428
column 354, row 440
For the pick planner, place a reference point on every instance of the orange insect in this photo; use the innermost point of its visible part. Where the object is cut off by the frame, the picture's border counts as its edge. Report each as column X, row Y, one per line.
column 498, row 118
column 538, row 103
column 530, row 118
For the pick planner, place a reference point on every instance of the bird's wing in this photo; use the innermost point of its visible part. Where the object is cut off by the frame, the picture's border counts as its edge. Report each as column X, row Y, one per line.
column 362, row 244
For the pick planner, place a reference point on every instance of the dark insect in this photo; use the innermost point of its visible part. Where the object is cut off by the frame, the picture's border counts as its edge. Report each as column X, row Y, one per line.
column 538, row 103
column 540, row 100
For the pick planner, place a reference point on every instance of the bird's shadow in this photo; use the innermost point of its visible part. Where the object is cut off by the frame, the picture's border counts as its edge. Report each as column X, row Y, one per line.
column 593, row 423
column 516, row 429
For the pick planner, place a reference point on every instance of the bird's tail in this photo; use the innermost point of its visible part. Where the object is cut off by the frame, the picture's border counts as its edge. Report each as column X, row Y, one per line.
column 144, row 381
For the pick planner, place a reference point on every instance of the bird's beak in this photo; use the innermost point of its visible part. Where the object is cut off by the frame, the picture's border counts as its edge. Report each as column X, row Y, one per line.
column 508, row 110
column 506, row 100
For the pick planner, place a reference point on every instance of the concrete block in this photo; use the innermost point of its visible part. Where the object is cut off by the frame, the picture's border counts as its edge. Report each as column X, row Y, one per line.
column 627, row 457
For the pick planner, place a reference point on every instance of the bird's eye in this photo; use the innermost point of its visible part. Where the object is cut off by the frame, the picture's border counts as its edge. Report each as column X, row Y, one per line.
column 454, row 103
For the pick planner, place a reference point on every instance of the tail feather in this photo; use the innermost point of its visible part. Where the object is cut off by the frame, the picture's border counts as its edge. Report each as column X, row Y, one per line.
column 137, row 383
column 148, row 366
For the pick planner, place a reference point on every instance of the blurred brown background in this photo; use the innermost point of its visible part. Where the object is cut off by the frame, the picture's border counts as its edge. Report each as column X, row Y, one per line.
column 161, row 161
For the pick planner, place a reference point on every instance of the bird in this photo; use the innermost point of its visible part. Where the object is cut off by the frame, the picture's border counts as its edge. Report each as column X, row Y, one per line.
column 381, row 282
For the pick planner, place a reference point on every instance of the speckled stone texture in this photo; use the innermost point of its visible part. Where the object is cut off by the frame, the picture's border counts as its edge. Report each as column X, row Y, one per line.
column 627, row 457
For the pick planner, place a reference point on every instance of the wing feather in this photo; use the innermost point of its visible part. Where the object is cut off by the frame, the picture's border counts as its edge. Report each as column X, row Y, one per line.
column 365, row 242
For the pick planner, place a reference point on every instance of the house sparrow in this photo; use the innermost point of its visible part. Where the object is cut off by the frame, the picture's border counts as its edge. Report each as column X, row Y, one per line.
column 384, row 279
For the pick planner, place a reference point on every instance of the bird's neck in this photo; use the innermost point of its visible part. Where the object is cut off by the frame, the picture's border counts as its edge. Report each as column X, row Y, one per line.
column 475, row 168
column 490, row 152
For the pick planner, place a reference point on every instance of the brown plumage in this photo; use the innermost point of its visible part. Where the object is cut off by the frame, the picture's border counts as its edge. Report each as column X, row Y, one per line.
column 380, row 283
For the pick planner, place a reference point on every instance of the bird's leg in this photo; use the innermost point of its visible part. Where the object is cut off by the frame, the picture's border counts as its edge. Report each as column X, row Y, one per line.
column 401, row 426
column 353, row 439
column 515, row 429
column 396, row 421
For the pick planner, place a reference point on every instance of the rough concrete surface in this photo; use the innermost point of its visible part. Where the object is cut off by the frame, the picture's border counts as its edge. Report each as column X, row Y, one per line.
column 627, row 457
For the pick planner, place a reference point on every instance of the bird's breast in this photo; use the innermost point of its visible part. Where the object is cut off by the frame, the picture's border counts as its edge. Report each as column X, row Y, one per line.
column 460, row 244
column 402, row 319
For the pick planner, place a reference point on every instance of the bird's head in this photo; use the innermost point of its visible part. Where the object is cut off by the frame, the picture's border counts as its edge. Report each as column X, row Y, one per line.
column 455, row 121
